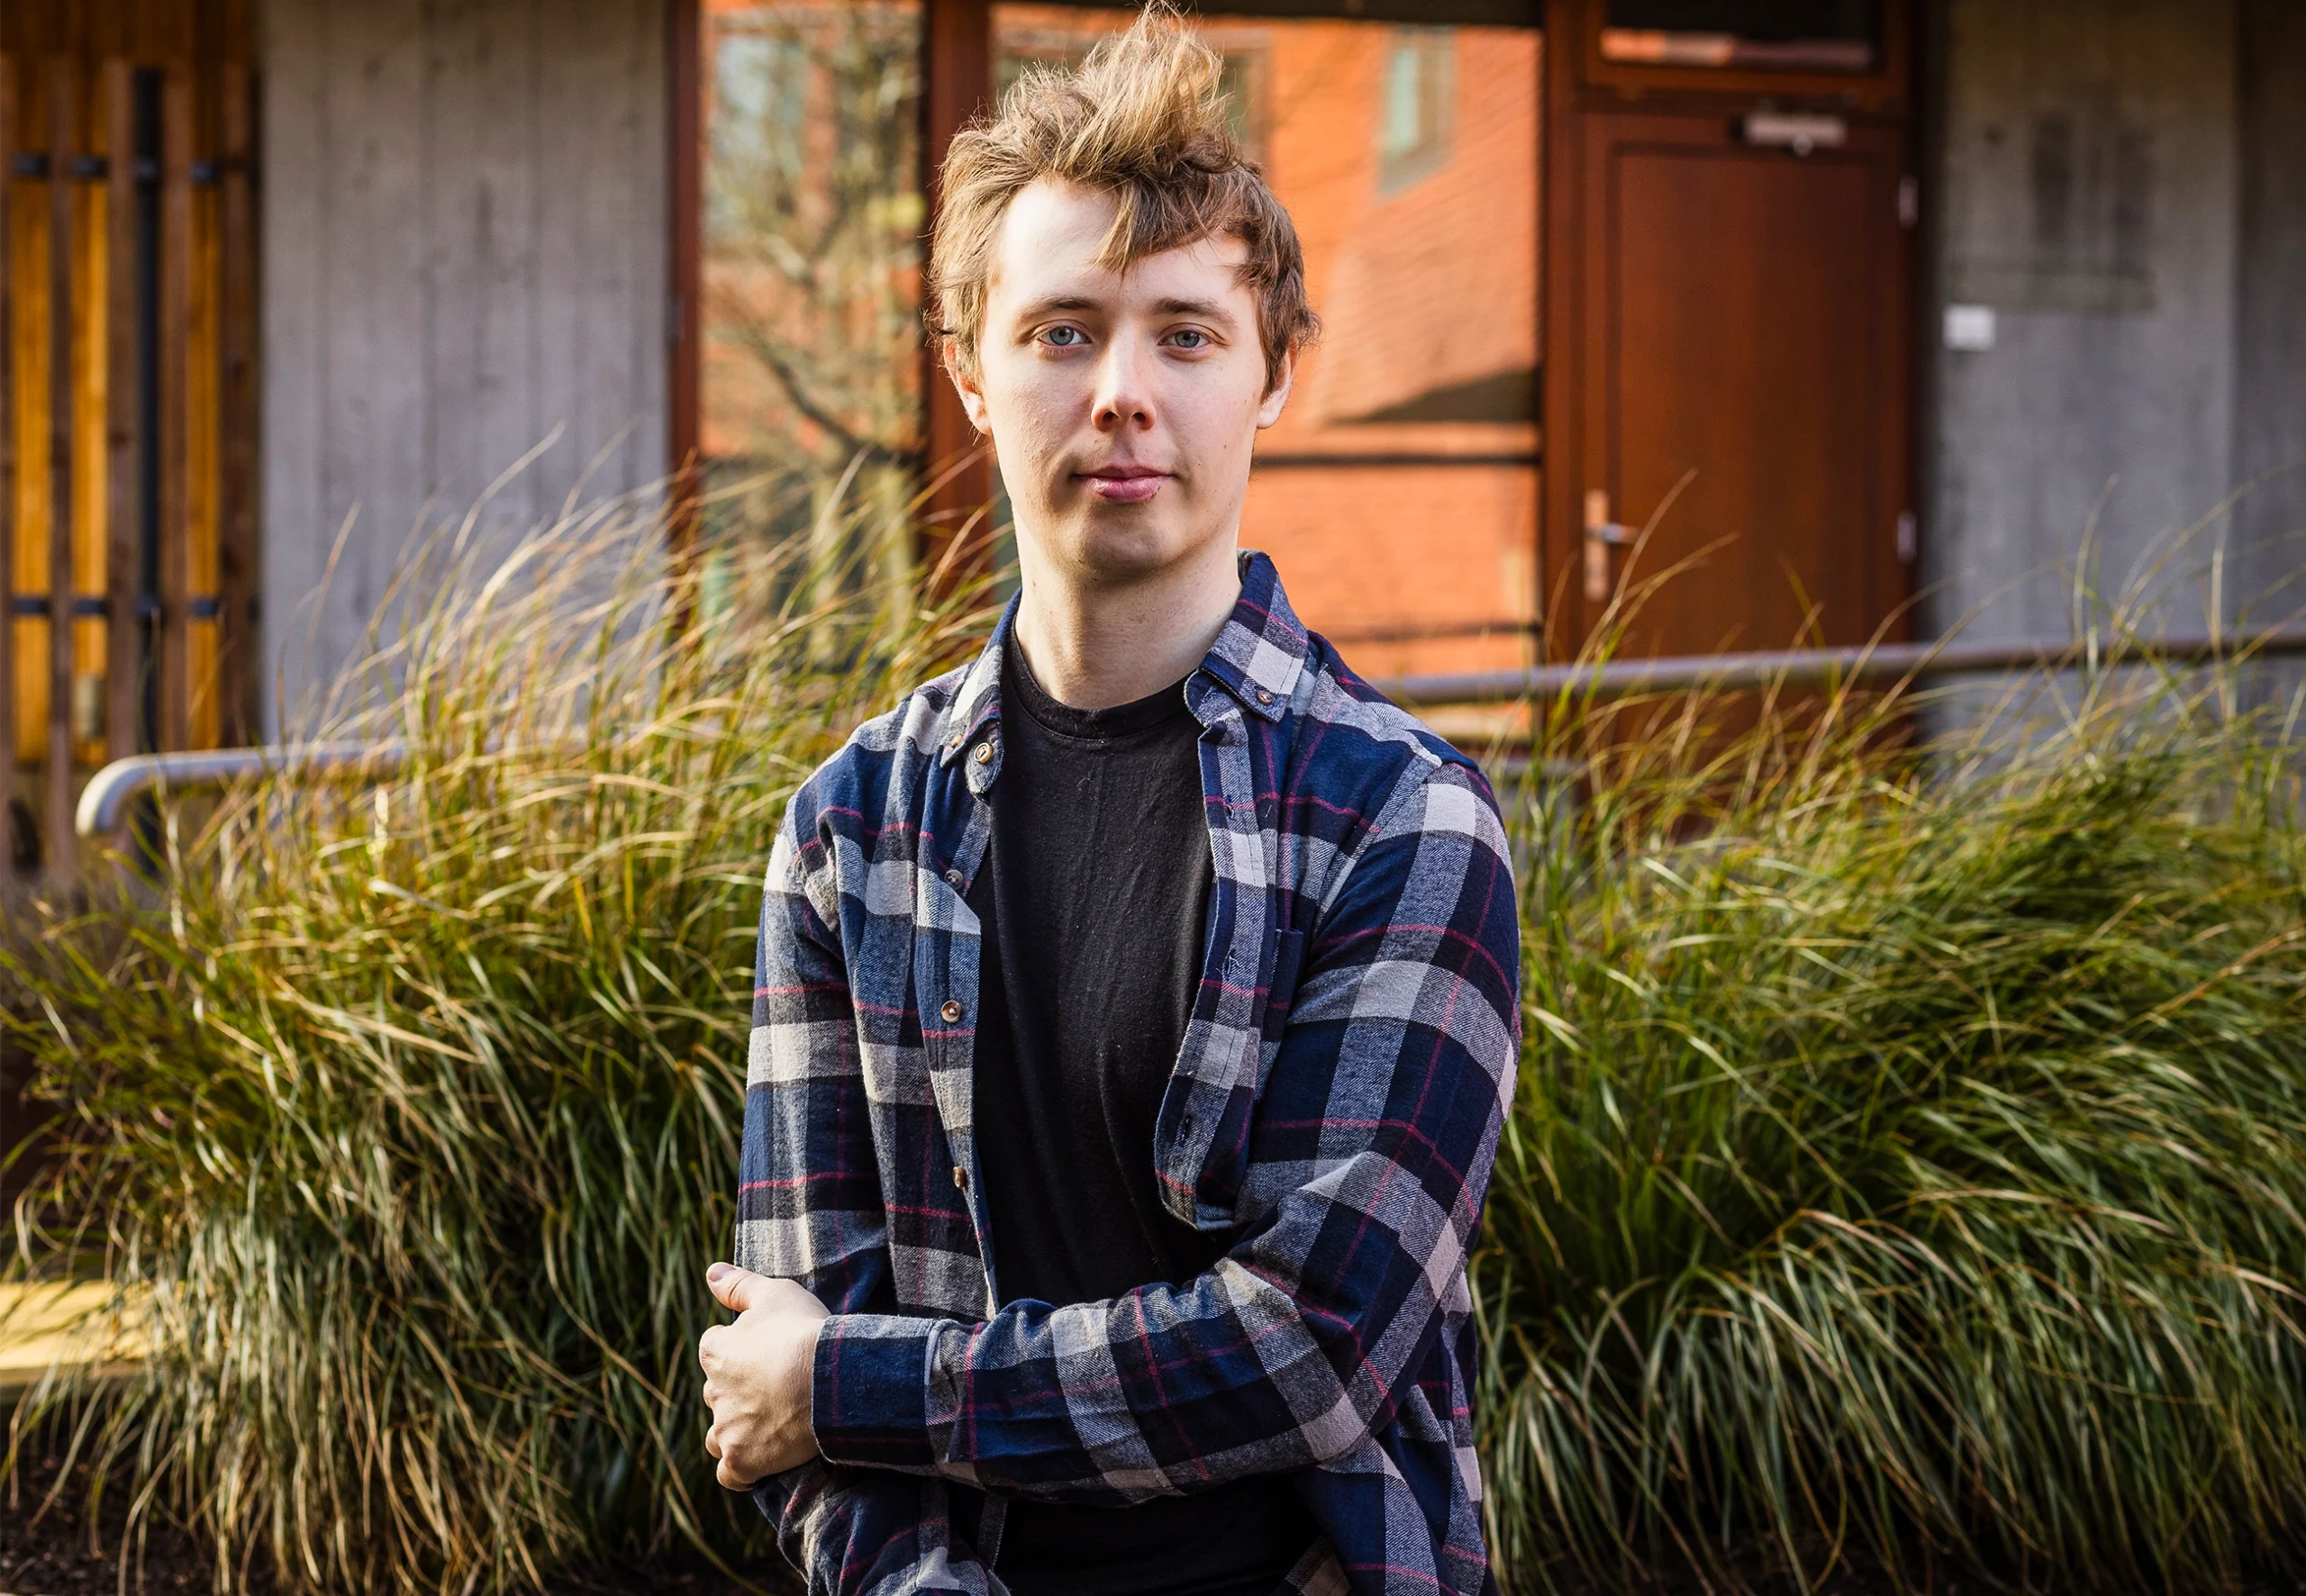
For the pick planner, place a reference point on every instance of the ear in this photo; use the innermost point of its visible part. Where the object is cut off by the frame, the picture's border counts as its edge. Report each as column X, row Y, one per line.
column 972, row 393
column 1269, row 407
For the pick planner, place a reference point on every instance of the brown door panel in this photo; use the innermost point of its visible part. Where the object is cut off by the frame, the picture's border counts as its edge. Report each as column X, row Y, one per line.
column 1737, row 329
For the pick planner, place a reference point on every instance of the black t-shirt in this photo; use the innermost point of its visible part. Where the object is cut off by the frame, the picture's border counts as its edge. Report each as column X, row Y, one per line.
column 1094, row 900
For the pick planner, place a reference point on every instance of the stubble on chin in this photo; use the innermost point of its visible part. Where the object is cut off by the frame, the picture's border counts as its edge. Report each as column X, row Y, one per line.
column 1115, row 545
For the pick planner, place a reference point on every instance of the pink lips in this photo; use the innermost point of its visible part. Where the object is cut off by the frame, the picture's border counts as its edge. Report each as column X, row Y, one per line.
column 1125, row 485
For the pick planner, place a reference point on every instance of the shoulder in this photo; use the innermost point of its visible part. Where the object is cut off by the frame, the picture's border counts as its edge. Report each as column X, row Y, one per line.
column 872, row 781
column 1356, row 749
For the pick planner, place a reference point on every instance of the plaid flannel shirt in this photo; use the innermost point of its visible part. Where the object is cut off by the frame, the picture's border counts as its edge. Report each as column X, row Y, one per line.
column 1334, row 1111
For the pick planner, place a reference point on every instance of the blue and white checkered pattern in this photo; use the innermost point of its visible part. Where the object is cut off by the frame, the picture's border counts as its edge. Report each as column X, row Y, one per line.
column 1334, row 1111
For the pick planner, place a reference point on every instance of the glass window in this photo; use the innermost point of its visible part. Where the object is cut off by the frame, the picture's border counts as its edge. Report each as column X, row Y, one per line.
column 1413, row 136
column 811, row 303
column 1399, row 492
column 1761, row 35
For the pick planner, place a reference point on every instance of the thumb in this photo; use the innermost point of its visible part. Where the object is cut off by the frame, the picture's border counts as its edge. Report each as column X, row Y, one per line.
column 733, row 1287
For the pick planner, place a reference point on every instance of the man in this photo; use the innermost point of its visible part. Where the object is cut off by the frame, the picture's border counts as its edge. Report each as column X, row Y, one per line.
column 1135, row 1008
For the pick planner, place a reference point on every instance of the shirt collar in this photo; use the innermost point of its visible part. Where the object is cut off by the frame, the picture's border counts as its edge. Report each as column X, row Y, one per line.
column 1258, row 656
column 1262, row 651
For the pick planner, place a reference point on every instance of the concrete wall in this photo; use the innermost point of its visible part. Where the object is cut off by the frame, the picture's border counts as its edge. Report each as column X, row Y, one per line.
column 2270, row 378
column 2089, row 179
column 464, row 231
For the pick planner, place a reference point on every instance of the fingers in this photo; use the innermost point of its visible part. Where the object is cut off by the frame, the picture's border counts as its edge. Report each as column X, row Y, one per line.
column 720, row 1448
column 767, row 1309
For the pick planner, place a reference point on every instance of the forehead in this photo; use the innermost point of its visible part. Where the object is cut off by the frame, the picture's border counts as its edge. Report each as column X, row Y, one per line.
column 1049, row 240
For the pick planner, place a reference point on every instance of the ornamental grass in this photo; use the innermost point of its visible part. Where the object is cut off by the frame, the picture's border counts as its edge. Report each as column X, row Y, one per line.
column 1908, row 1172
column 410, row 1108
column 1909, row 1168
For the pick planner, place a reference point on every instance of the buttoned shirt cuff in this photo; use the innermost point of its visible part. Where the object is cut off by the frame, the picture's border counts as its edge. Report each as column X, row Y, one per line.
column 868, row 1397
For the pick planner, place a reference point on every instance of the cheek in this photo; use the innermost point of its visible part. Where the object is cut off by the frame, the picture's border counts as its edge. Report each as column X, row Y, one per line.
column 1029, row 404
column 1220, row 427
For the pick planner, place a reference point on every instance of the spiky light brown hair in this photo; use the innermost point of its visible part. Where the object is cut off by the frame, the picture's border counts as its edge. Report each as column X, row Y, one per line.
column 1143, row 119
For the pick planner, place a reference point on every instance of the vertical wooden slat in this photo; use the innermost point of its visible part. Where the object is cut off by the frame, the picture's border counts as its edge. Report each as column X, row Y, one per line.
column 175, row 664
column 61, row 71
column 123, row 519
column 236, row 553
column 955, row 83
column 204, row 396
column 7, row 447
column 684, row 396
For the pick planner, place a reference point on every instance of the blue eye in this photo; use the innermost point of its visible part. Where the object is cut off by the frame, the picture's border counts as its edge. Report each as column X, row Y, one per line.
column 1065, row 337
column 1196, row 337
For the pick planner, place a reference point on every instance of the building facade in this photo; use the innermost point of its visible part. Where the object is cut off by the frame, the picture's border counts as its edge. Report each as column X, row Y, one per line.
column 1886, row 313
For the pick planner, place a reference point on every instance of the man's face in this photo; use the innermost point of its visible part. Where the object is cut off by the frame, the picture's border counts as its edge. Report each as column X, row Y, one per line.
column 1121, row 404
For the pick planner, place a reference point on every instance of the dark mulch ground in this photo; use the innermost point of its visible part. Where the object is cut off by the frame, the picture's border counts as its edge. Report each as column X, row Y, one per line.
column 51, row 1556
column 59, row 1553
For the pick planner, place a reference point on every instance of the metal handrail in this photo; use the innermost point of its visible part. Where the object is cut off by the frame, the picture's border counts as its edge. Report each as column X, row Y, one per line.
column 1810, row 668
column 104, row 802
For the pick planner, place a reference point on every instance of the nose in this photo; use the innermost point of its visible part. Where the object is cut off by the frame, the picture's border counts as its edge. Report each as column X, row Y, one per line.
column 1123, row 397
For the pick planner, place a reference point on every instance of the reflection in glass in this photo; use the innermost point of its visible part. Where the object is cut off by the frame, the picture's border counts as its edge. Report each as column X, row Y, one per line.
column 1420, row 94
column 1399, row 492
column 1759, row 35
column 812, row 266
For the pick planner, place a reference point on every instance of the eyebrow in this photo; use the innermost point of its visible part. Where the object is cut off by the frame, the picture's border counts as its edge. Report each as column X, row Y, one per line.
column 1209, row 309
column 1062, row 302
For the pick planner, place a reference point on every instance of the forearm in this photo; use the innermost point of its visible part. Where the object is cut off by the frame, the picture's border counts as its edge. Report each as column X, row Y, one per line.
column 1251, row 1369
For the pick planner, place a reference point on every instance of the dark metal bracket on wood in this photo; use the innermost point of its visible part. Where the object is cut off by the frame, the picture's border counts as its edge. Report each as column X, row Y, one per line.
column 93, row 606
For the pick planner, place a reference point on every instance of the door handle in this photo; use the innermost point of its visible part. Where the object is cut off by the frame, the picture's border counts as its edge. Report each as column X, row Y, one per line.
column 1602, row 535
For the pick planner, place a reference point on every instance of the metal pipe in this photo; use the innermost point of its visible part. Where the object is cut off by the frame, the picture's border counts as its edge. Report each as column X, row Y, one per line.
column 104, row 800
column 1807, row 668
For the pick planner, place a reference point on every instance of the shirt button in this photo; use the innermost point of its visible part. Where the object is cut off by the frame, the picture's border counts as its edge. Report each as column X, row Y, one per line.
column 954, row 879
column 960, row 1178
column 951, row 1011
column 984, row 753
column 1263, row 696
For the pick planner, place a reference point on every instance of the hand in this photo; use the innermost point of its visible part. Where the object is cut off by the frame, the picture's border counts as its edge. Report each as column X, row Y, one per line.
column 758, row 1374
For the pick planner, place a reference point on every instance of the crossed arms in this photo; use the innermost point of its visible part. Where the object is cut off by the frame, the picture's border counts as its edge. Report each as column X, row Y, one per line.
column 1366, row 1163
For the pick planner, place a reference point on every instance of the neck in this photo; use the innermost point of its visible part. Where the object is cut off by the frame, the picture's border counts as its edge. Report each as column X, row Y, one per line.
column 1095, row 645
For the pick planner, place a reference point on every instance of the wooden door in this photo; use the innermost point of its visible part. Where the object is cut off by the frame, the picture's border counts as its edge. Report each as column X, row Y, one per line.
column 1728, row 356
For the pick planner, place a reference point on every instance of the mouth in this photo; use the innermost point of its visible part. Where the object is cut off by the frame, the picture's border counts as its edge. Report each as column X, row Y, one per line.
column 1123, row 485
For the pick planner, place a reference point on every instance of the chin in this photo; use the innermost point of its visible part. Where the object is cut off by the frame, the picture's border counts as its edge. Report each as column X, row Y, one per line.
column 1119, row 542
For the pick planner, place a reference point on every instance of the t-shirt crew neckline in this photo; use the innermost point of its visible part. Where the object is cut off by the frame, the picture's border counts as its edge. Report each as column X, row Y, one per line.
column 1062, row 720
